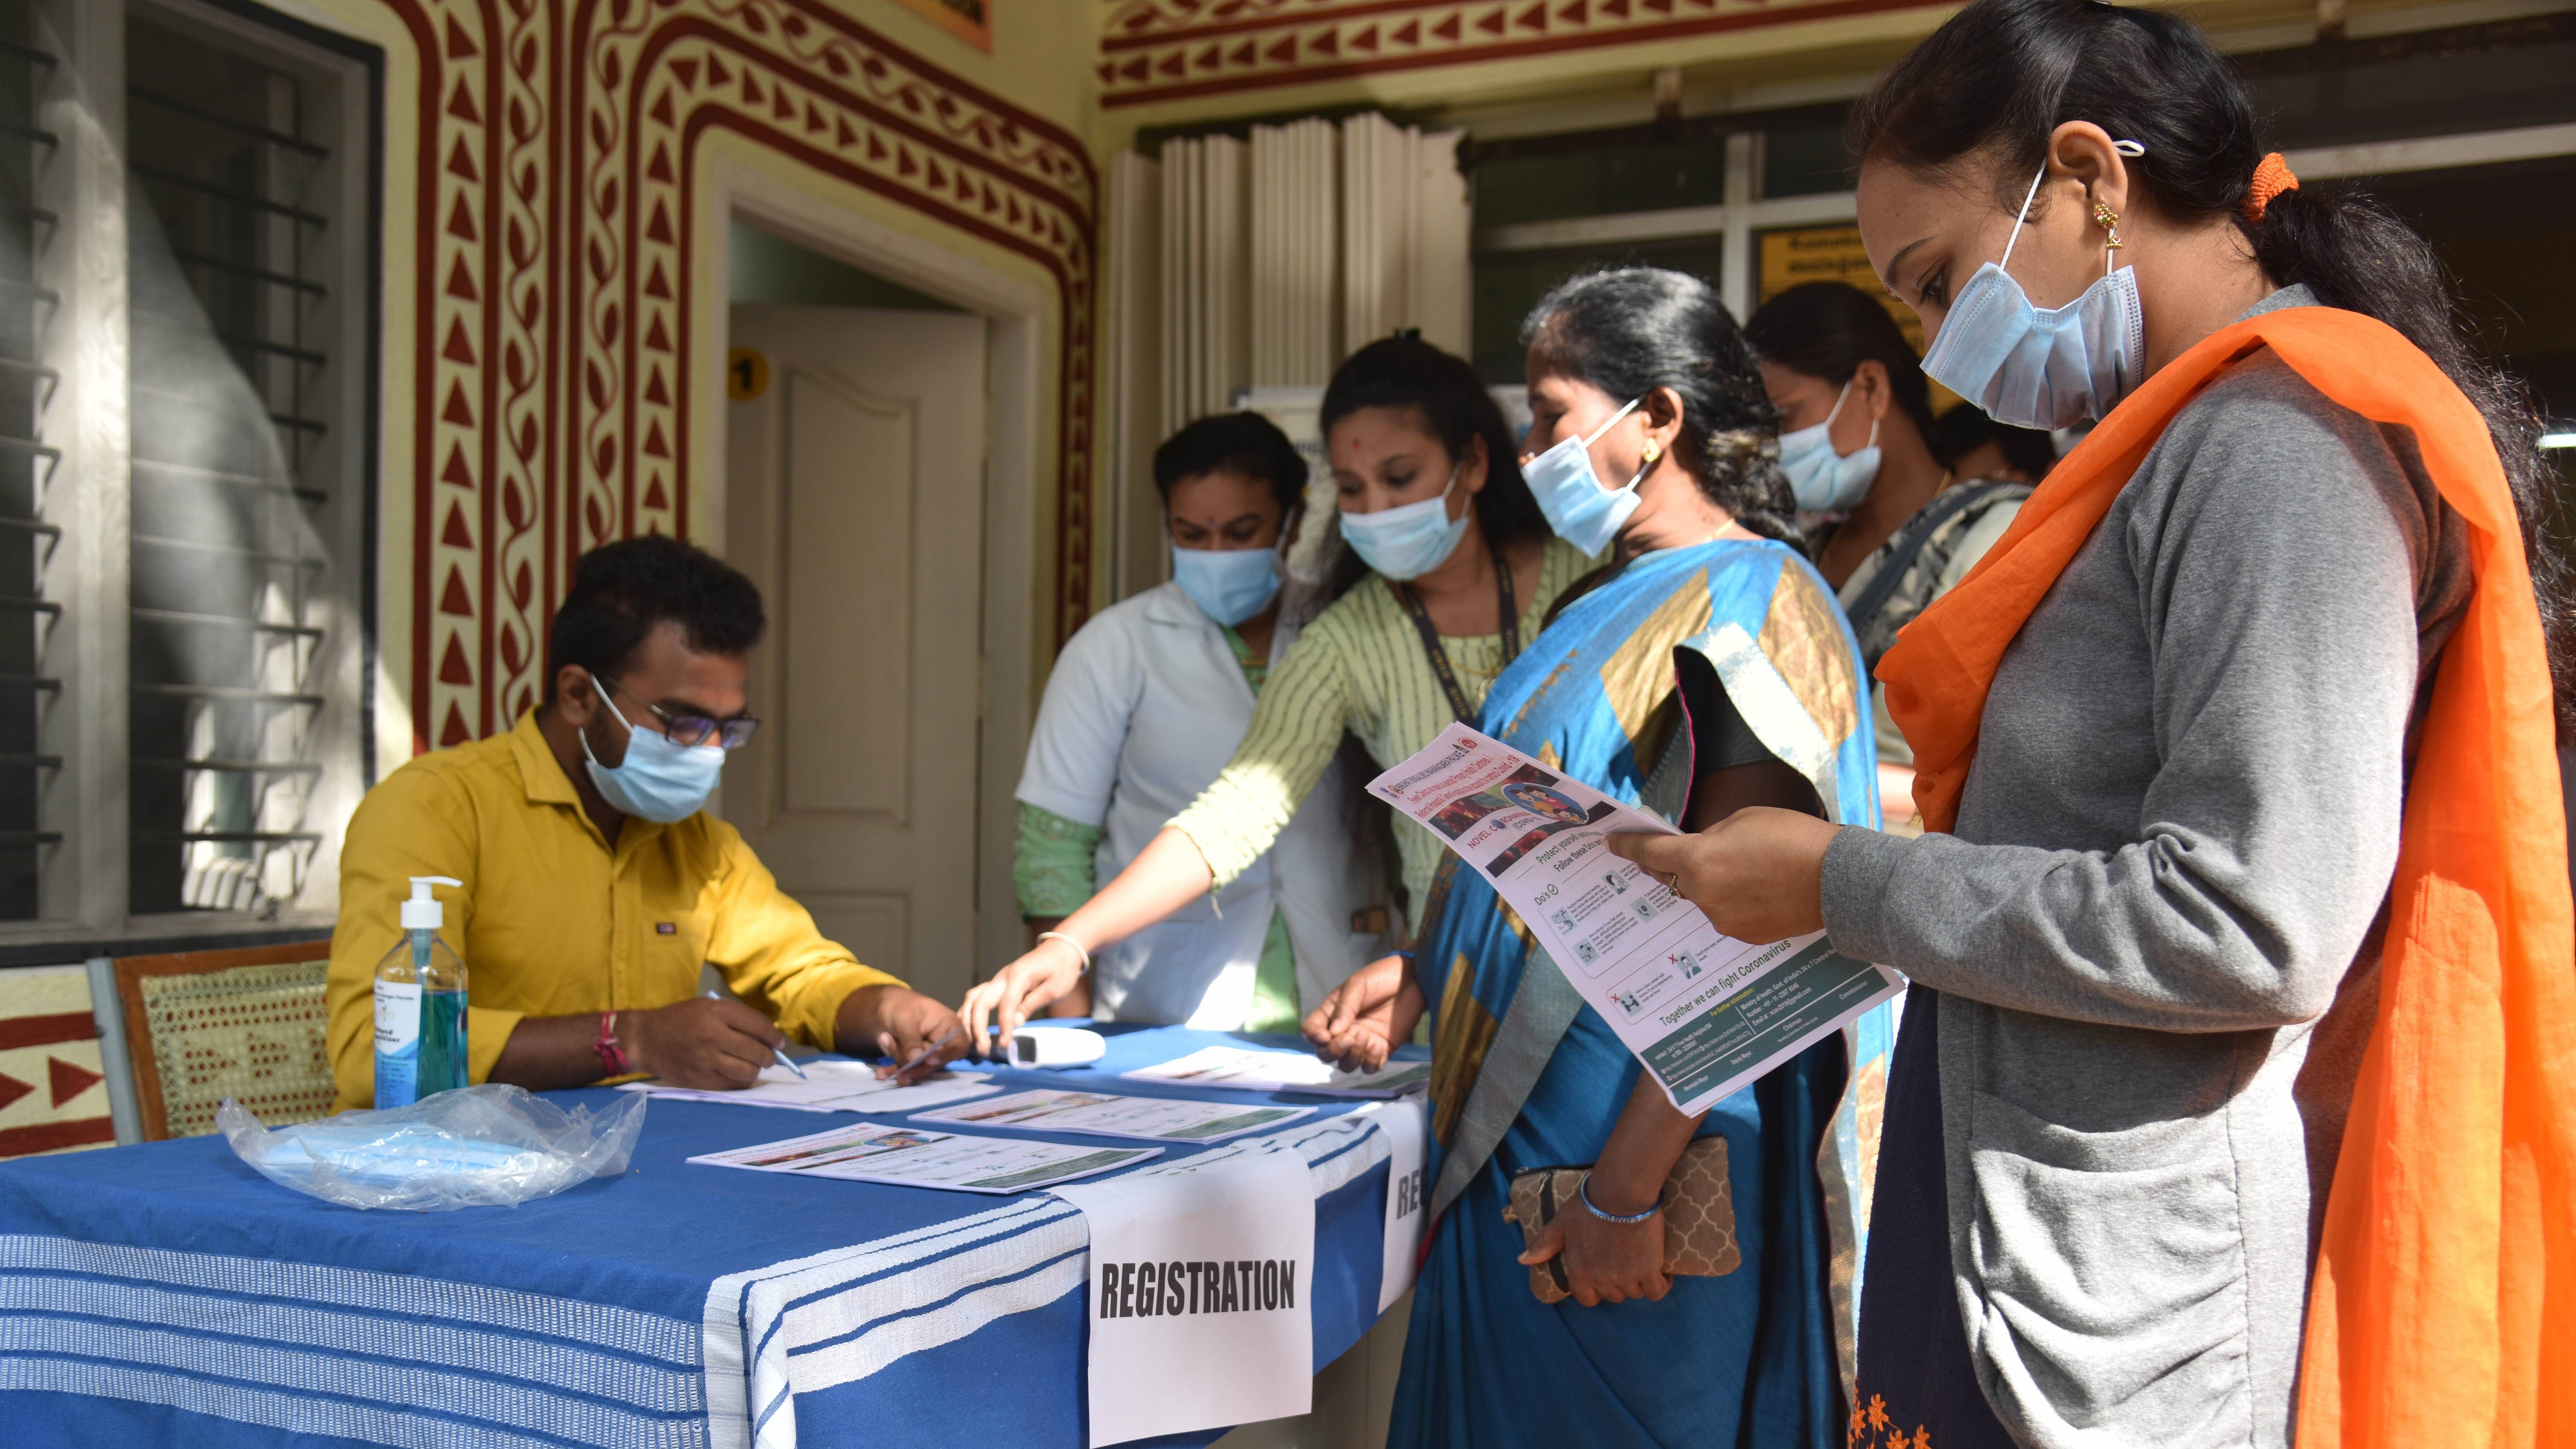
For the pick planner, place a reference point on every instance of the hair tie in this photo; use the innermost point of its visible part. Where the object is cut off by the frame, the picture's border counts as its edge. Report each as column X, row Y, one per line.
column 2272, row 176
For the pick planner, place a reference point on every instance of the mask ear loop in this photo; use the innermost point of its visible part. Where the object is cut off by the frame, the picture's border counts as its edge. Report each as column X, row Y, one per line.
column 2133, row 151
column 1614, row 418
column 2021, row 217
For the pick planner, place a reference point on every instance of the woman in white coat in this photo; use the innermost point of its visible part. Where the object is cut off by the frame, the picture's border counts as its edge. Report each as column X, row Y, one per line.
column 1145, row 707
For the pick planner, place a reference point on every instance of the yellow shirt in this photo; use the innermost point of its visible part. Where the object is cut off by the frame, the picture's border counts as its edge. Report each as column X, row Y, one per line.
column 551, row 922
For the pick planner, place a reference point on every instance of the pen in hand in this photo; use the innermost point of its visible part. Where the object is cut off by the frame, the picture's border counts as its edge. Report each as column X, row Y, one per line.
column 773, row 1051
column 922, row 1055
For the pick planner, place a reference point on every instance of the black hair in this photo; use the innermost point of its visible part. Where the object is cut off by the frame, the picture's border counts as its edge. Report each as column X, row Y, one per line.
column 1965, row 428
column 1244, row 443
column 1828, row 329
column 621, row 590
column 1404, row 371
column 1995, row 82
column 1630, row 330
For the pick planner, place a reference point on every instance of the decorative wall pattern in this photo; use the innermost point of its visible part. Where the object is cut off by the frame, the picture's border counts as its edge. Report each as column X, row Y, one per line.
column 1169, row 50
column 558, row 160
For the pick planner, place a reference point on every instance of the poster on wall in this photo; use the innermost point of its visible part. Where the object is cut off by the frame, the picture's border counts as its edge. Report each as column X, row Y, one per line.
column 1834, row 254
column 969, row 20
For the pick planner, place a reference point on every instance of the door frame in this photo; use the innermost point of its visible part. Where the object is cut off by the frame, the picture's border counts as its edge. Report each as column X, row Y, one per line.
column 737, row 179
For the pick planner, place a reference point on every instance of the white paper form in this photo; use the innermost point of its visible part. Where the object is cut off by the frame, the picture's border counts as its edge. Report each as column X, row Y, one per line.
column 1200, row 1289
column 1257, row 1071
column 1100, row 1114
column 1407, row 1125
column 911, row 1157
column 834, row 1086
column 1706, row 1013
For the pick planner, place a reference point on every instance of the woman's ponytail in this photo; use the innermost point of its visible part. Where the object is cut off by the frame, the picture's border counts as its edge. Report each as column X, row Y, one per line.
column 2000, row 77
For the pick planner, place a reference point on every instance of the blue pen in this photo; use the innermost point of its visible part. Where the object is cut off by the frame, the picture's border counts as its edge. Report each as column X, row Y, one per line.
column 773, row 1051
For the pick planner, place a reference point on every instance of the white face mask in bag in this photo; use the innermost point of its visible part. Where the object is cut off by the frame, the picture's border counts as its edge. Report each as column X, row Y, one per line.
column 2049, row 368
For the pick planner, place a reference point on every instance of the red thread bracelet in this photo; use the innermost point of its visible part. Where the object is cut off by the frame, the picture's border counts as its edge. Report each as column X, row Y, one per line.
column 612, row 1057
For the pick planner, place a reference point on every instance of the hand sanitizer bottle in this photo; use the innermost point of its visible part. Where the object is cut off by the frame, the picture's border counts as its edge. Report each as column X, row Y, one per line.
column 420, row 1005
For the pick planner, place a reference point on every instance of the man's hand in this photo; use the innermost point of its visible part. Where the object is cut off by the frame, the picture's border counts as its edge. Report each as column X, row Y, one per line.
column 699, row 1043
column 899, row 1022
column 1605, row 1262
column 1759, row 873
column 1018, row 991
column 1368, row 1015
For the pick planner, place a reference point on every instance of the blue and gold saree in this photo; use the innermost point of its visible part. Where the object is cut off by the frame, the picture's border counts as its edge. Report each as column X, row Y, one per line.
column 1750, row 1358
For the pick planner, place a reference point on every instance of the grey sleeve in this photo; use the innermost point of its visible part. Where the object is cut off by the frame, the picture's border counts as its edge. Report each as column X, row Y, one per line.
column 2273, row 546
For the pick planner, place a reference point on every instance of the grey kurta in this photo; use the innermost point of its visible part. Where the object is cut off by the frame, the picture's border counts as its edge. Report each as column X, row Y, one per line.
column 2155, row 930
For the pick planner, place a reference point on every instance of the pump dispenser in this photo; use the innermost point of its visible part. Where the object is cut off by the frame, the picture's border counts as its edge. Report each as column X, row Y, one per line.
column 420, row 1004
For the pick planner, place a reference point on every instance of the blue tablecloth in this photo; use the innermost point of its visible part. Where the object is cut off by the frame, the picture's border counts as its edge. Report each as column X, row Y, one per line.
column 165, row 1294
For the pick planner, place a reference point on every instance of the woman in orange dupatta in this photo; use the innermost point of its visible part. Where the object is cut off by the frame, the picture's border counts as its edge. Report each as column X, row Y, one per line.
column 2236, row 1098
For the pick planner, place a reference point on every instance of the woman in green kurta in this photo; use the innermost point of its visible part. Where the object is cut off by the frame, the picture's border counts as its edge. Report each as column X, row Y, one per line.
column 1431, row 500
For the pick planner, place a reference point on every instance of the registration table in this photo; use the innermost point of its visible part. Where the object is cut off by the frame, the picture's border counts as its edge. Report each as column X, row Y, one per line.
column 167, row 1294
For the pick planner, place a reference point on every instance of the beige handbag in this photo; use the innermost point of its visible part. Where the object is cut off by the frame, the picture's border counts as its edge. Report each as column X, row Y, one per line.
column 1699, row 1216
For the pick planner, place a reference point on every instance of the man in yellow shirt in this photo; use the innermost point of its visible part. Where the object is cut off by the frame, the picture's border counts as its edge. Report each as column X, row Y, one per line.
column 595, row 886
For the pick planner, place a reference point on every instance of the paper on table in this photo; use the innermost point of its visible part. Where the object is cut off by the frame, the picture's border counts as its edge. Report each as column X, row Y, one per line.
column 910, row 1157
column 1706, row 1013
column 1151, row 1119
column 1202, row 1291
column 834, row 1086
column 1258, row 1071
column 1407, row 1125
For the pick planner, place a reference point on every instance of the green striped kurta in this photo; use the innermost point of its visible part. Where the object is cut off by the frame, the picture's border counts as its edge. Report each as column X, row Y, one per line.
column 1358, row 667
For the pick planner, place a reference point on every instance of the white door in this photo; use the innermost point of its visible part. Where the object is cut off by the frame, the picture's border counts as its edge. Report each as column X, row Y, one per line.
column 855, row 499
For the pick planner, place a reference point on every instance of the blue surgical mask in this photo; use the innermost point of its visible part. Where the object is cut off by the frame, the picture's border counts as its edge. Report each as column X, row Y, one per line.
column 2042, row 368
column 1582, row 512
column 1408, row 541
column 659, row 780
column 1228, row 585
column 1822, row 480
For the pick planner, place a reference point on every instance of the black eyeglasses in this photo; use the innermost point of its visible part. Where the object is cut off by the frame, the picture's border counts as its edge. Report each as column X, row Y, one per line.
column 692, row 730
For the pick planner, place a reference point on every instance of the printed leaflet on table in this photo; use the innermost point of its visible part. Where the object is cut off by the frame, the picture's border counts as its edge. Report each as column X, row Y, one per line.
column 910, row 1157
column 1257, row 1071
column 1706, row 1013
column 834, row 1086
column 1201, row 1288
column 1153, row 1119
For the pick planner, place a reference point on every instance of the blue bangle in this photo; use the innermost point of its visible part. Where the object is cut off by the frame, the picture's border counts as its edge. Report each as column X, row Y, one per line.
column 1584, row 1191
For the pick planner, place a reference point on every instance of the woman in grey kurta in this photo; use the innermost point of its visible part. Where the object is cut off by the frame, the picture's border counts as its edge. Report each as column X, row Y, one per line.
column 2146, row 955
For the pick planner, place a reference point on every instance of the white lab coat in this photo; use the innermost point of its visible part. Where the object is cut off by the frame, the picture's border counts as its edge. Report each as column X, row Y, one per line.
column 1145, row 707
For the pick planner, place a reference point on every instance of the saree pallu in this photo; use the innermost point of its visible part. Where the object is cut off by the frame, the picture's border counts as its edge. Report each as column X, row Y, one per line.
column 1753, row 1357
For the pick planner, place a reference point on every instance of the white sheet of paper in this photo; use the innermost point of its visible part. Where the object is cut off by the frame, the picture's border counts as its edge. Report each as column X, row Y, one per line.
column 834, row 1086
column 1706, row 1013
column 1259, row 1071
column 1102, row 1114
column 1200, row 1287
column 910, row 1157
column 1407, row 1125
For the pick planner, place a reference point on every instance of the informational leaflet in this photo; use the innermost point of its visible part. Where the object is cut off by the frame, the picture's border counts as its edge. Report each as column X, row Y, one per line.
column 834, row 1086
column 1098, row 1114
column 911, row 1157
column 1706, row 1013
column 1407, row 1125
column 1201, row 1283
column 1259, row 1071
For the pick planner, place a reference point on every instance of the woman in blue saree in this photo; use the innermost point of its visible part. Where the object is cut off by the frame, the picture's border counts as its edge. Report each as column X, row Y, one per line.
column 1704, row 669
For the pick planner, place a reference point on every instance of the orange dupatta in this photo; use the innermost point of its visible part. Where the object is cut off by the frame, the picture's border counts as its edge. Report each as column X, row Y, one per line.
column 2445, row 1281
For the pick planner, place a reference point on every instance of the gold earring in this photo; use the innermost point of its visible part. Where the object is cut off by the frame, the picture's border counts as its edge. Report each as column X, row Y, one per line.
column 1653, row 451
column 2109, row 220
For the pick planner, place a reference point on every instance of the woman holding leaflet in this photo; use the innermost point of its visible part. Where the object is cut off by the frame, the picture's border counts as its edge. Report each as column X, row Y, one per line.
column 2237, row 1095
column 1145, row 705
column 1462, row 572
column 1706, row 669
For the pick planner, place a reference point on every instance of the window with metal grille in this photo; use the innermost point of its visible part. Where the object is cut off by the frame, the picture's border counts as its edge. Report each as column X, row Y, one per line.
column 241, row 578
column 27, row 539
column 187, row 379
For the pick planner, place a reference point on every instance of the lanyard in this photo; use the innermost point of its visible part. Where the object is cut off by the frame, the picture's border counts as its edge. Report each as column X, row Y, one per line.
column 1413, row 605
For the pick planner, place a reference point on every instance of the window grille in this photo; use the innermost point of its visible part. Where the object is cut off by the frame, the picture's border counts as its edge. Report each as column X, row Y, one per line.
column 27, row 542
column 236, row 450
